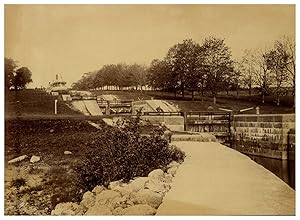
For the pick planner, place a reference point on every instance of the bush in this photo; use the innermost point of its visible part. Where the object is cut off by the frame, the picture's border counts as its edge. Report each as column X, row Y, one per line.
column 123, row 153
column 18, row 182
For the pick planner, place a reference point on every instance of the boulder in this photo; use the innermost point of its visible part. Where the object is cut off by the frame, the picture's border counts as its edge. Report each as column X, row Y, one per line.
column 67, row 152
column 140, row 209
column 35, row 159
column 137, row 184
column 98, row 210
column 88, row 199
column 123, row 190
column 172, row 170
column 156, row 174
column 98, row 189
column 108, row 121
column 147, row 196
column 68, row 208
column 157, row 186
column 114, row 184
column 118, row 202
column 17, row 159
column 118, row 211
column 106, row 196
column 173, row 164
column 167, row 178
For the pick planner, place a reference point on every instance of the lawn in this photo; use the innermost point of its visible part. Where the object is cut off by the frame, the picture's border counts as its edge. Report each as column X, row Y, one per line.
column 33, row 102
column 125, row 95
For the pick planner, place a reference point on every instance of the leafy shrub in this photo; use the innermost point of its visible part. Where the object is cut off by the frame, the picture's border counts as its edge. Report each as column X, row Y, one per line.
column 18, row 182
column 123, row 153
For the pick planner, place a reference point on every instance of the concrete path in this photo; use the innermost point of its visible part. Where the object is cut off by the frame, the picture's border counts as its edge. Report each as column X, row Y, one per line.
column 79, row 105
column 217, row 180
column 92, row 107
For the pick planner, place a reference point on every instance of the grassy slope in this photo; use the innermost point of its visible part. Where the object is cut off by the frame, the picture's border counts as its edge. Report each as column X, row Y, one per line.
column 185, row 104
column 125, row 95
column 33, row 102
column 47, row 139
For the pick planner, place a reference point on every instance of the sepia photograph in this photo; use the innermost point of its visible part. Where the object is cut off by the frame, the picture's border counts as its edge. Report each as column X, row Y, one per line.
column 149, row 109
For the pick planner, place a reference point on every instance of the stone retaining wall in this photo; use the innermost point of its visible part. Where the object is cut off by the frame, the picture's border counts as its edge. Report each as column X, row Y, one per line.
column 141, row 196
column 269, row 135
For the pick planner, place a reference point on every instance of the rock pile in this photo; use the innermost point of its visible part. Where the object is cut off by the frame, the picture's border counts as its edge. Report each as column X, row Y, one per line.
column 141, row 196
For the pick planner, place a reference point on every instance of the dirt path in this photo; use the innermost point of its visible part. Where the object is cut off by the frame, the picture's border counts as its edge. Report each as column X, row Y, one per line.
column 216, row 180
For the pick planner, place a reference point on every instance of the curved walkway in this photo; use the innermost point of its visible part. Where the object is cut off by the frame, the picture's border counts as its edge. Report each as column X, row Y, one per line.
column 217, row 180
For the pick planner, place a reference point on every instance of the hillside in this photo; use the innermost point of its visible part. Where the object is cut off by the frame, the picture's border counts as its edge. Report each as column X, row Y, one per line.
column 33, row 102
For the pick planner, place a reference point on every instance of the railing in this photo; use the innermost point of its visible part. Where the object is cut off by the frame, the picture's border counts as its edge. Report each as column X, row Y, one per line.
column 118, row 103
column 163, row 113
column 217, row 123
column 61, row 117
column 83, row 97
column 116, row 107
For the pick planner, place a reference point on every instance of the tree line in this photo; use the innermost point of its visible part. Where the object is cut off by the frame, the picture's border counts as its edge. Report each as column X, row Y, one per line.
column 15, row 77
column 272, row 71
column 114, row 75
column 206, row 68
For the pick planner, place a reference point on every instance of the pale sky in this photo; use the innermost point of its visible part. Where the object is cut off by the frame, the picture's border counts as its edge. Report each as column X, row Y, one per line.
column 73, row 39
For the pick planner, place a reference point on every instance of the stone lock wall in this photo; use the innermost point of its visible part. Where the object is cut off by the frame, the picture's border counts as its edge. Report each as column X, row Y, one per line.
column 269, row 135
column 174, row 123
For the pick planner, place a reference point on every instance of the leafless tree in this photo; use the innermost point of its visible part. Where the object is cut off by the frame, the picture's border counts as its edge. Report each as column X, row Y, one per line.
column 277, row 60
column 262, row 75
column 248, row 69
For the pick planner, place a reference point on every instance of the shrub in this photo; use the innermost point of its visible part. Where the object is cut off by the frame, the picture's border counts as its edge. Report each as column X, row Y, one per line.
column 123, row 153
column 18, row 182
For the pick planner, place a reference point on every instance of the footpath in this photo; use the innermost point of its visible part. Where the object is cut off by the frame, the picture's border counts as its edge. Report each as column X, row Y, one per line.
column 217, row 180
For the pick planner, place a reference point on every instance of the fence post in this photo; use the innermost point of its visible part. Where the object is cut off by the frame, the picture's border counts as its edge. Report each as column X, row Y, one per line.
column 55, row 106
column 108, row 108
column 185, row 120
column 229, row 129
column 210, row 122
column 257, row 110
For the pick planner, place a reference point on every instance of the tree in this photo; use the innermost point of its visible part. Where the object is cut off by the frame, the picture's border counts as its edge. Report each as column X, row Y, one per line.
column 219, row 65
column 287, row 46
column 248, row 69
column 182, row 59
column 22, row 77
column 87, row 81
column 262, row 75
column 196, row 78
column 161, row 77
column 138, row 75
column 277, row 61
column 237, row 76
column 9, row 71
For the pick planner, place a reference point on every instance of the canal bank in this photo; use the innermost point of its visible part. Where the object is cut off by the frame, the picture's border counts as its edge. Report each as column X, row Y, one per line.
column 284, row 169
column 268, row 135
column 217, row 180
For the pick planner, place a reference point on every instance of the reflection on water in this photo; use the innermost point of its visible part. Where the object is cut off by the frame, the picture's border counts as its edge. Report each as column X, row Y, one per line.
column 284, row 169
